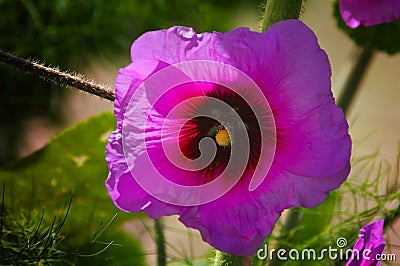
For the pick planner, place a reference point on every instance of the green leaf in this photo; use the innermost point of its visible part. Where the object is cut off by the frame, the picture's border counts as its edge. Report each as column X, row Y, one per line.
column 384, row 37
column 73, row 162
column 315, row 221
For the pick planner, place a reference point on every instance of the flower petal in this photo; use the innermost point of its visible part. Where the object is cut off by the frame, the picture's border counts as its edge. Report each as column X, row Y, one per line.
column 371, row 239
column 123, row 188
column 175, row 45
column 312, row 131
column 369, row 12
column 128, row 80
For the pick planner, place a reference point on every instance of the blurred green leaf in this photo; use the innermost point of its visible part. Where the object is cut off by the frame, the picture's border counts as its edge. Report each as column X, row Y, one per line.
column 316, row 220
column 72, row 162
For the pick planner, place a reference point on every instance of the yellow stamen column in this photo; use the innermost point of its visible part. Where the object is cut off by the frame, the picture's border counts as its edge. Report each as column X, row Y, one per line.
column 222, row 138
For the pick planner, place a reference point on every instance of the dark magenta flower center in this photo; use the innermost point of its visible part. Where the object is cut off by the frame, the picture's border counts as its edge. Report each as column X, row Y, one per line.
column 203, row 127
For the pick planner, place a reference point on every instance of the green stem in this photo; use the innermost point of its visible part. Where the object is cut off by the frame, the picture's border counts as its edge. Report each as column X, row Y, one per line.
column 278, row 10
column 160, row 242
column 392, row 218
column 224, row 259
column 354, row 79
column 293, row 219
column 55, row 75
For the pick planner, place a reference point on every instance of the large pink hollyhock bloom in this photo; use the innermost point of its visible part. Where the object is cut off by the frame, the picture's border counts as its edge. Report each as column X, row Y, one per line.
column 369, row 12
column 259, row 103
column 369, row 246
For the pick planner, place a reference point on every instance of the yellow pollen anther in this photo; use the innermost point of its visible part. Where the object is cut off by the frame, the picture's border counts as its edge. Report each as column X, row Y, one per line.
column 222, row 138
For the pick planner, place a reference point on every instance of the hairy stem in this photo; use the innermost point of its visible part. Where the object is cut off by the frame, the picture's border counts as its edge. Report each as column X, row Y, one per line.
column 293, row 219
column 278, row 10
column 55, row 75
column 223, row 259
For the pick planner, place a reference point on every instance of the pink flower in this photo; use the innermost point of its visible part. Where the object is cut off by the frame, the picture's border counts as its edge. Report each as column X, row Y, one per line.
column 369, row 12
column 369, row 245
column 226, row 130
